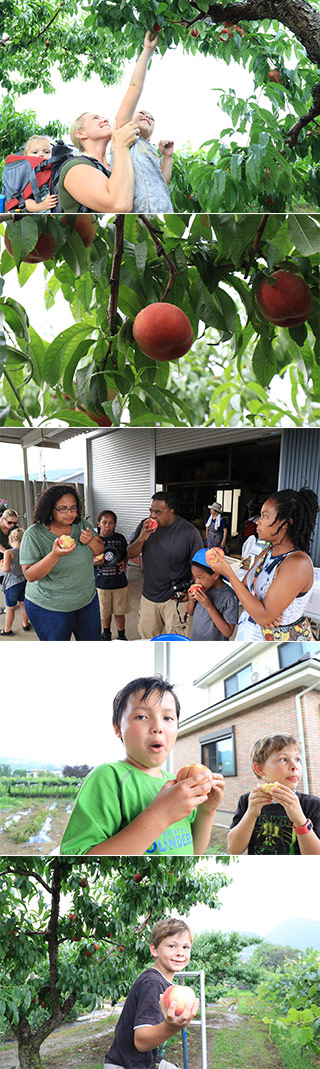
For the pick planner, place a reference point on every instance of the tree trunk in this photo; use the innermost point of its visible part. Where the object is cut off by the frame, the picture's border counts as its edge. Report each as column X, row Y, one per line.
column 29, row 1055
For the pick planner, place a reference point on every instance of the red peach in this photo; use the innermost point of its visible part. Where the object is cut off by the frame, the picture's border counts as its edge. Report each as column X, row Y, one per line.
column 180, row 994
column 193, row 770
column 43, row 250
column 163, row 331
column 287, row 302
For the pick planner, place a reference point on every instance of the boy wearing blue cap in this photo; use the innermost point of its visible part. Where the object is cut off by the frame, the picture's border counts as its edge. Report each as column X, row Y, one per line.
column 212, row 603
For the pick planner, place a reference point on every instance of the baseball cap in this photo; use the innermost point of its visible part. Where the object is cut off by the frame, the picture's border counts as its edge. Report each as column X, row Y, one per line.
column 200, row 558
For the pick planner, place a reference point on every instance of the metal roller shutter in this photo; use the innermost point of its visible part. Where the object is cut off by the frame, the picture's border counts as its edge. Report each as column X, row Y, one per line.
column 181, row 441
column 300, row 465
column 121, row 470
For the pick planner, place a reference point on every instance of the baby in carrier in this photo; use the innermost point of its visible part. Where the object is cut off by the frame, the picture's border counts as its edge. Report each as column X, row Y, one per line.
column 40, row 146
column 27, row 178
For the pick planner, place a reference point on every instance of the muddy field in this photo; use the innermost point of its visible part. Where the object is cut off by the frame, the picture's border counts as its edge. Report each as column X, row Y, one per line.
column 51, row 818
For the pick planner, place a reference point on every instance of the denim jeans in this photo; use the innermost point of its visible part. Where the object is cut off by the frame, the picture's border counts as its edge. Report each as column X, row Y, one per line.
column 52, row 626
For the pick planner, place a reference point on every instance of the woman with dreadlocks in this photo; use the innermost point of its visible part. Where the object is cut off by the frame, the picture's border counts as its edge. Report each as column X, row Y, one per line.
column 275, row 591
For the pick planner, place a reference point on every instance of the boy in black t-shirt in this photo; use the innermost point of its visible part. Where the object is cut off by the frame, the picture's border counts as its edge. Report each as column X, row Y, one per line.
column 145, row 1025
column 274, row 818
column 110, row 575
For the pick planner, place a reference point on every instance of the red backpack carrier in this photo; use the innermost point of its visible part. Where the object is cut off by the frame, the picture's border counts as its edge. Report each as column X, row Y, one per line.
column 23, row 177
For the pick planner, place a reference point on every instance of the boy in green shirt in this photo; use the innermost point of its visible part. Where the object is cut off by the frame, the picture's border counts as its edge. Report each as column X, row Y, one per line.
column 133, row 806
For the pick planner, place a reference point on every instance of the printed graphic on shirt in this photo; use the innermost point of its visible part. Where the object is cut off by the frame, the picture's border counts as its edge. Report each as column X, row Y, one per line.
column 170, row 841
column 274, row 834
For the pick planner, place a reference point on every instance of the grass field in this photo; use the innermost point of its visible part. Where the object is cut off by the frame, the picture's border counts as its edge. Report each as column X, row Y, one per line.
column 236, row 1039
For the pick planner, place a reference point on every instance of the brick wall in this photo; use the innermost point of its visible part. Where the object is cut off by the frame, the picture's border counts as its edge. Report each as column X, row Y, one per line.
column 311, row 722
column 275, row 716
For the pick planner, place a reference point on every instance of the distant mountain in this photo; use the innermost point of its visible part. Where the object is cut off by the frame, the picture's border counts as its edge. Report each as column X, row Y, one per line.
column 60, row 473
column 28, row 763
column 54, row 475
column 299, row 932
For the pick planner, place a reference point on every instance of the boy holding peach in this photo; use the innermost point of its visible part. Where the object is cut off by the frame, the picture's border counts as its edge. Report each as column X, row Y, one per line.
column 212, row 602
column 154, row 1010
column 274, row 818
column 133, row 806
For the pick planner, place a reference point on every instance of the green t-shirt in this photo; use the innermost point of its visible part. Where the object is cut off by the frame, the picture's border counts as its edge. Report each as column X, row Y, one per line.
column 68, row 203
column 70, row 585
column 109, row 799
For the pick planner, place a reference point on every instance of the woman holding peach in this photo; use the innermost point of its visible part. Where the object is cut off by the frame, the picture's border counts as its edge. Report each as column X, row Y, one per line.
column 57, row 557
column 276, row 590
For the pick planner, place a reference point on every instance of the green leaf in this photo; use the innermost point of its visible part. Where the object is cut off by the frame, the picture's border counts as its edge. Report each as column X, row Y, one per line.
column 140, row 255
column 304, row 233
column 299, row 334
column 23, row 234
column 278, row 248
column 63, row 348
column 80, row 351
column 129, row 302
column 293, row 1016
column 17, row 318
column 75, row 419
column 176, row 224
column 264, row 361
column 75, row 253
column 37, row 354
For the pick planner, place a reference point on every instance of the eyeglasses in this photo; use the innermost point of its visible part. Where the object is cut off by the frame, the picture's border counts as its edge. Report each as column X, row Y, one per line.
column 11, row 523
column 73, row 508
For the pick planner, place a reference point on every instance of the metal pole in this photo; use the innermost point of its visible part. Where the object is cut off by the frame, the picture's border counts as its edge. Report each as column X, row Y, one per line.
column 203, row 1021
column 185, row 1048
column 27, row 490
column 204, row 1061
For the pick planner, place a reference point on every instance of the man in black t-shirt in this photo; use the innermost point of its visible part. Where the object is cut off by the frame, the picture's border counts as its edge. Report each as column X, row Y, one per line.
column 166, row 553
column 110, row 576
column 275, row 818
column 144, row 1025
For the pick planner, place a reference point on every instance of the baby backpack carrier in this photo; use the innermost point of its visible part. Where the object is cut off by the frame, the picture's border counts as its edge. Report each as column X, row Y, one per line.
column 23, row 177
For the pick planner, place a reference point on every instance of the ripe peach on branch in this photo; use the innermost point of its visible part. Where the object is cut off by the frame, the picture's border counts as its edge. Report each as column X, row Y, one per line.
column 284, row 299
column 43, row 250
column 84, row 225
column 163, row 331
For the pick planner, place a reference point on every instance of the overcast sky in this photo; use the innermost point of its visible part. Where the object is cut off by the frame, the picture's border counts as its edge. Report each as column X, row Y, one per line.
column 171, row 92
column 265, row 891
column 63, row 712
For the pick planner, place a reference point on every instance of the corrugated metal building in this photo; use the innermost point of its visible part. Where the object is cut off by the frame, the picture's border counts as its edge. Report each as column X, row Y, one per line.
column 125, row 466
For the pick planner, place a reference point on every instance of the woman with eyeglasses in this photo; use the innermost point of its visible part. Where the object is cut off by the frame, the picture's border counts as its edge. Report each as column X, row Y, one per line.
column 61, row 597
